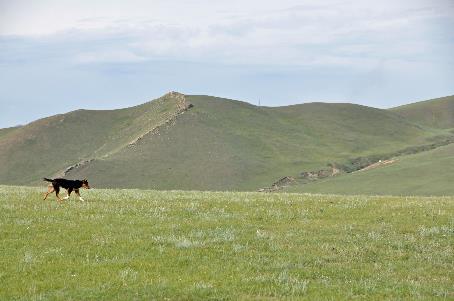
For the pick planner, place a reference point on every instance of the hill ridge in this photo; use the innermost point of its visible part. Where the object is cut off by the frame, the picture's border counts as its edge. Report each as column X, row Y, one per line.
column 182, row 105
column 435, row 113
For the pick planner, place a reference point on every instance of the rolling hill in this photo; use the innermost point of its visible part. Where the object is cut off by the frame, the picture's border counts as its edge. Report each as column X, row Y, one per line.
column 197, row 142
column 49, row 145
column 437, row 113
column 221, row 144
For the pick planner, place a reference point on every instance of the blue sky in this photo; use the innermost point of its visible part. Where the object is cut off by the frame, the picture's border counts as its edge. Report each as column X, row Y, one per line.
column 58, row 56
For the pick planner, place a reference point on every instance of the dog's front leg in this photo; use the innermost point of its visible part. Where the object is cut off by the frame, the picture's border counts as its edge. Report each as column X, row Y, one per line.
column 78, row 194
column 68, row 193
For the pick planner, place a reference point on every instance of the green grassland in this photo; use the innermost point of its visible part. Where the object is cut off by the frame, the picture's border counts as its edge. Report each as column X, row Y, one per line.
column 427, row 173
column 176, row 245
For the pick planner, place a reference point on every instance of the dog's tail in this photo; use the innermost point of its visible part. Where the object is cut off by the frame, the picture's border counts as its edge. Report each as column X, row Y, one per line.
column 48, row 180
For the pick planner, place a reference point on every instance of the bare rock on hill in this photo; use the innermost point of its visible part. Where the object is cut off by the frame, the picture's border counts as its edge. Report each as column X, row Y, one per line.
column 182, row 106
column 278, row 185
column 73, row 167
column 320, row 174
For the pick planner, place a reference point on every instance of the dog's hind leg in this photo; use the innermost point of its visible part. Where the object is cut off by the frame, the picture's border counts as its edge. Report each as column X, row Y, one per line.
column 57, row 191
column 50, row 189
column 78, row 194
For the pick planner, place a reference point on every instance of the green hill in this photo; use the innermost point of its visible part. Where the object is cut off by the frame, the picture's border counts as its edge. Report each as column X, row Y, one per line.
column 437, row 113
column 222, row 144
column 201, row 142
column 48, row 146
column 426, row 173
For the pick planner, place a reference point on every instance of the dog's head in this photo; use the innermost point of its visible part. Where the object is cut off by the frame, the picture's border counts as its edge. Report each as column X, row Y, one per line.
column 85, row 184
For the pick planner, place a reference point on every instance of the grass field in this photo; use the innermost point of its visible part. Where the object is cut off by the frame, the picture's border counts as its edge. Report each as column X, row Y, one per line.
column 133, row 245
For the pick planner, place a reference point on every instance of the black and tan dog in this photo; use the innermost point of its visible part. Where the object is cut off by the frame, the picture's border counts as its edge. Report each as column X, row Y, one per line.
column 69, row 185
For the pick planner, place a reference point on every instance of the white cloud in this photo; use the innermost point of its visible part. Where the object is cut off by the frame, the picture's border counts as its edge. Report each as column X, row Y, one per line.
column 350, row 33
column 333, row 42
column 114, row 56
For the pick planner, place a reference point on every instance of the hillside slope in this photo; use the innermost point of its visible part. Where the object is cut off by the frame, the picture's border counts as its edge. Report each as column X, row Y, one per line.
column 221, row 144
column 427, row 173
column 437, row 113
column 5, row 131
column 48, row 146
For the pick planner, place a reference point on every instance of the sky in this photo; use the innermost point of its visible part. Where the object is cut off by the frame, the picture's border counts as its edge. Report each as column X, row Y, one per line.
column 61, row 55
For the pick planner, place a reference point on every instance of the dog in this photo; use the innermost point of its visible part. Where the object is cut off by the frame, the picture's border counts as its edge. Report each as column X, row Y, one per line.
column 69, row 185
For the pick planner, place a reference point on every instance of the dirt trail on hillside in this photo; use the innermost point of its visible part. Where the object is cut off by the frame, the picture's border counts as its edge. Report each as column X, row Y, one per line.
column 378, row 164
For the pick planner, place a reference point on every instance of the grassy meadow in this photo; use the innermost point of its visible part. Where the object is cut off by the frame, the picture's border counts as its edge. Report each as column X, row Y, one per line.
column 175, row 245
